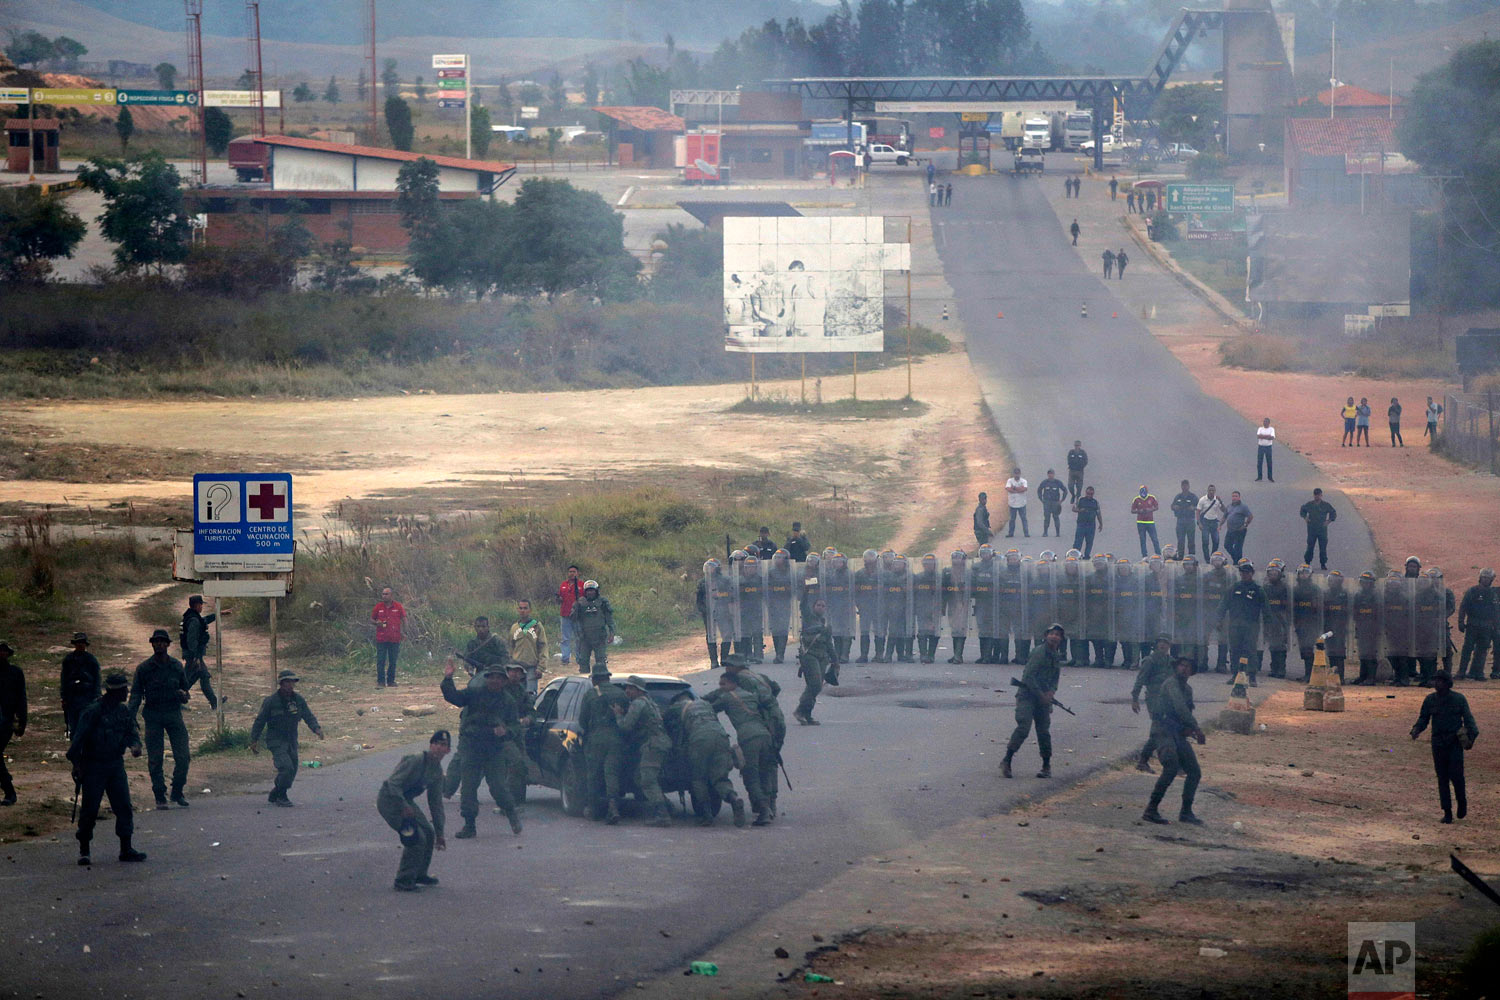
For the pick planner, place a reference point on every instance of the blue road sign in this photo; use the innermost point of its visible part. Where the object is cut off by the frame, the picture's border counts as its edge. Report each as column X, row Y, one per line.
column 242, row 522
column 450, row 102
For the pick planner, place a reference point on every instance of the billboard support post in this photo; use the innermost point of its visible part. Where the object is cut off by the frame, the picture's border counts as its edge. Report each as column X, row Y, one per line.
column 274, row 601
column 908, row 314
column 855, row 356
column 804, row 378
column 219, row 663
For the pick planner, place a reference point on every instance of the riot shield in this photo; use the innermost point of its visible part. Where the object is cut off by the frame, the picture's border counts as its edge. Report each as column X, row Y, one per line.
column 867, row 603
column 1158, row 586
column 956, row 602
column 752, row 599
column 982, row 579
column 1431, row 606
column 1010, row 609
column 1188, row 618
column 719, row 621
column 1098, row 611
column 780, row 586
column 808, row 588
column 1398, row 625
column 1041, row 595
column 1216, row 583
column 1128, row 624
column 896, row 607
column 1070, row 589
column 1307, row 615
column 836, row 584
column 927, row 607
column 1276, row 626
column 1336, row 620
column 1367, row 623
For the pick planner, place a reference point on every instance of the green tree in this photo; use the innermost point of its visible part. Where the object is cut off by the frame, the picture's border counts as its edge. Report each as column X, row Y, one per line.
column 479, row 130
column 590, row 85
column 556, row 92
column 1452, row 128
column 1207, row 166
column 1188, row 114
column 124, row 126
column 691, row 267
column 331, row 92
column 35, row 229
column 246, row 80
column 361, row 86
column 421, row 88
column 67, row 51
column 143, row 209
column 647, row 85
column 571, row 240
column 218, row 129
column 30, row 48
column 504, row 101
column 389, row 78
column 532, row 95
column 166, row 75
column 417, row 196
column 302, row 93
column 398, row 122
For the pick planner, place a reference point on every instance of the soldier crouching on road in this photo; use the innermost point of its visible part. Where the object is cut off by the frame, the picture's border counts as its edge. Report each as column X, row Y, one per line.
column 280, row 713
column 397, row 804
column 104, row 731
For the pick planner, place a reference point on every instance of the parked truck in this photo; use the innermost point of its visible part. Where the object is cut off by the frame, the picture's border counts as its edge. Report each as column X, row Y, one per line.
column 250, row 160
column 1078, row 128
column 1029, row 160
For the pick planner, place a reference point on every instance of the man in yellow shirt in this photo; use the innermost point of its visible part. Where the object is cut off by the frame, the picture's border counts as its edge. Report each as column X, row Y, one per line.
column 1350, row 411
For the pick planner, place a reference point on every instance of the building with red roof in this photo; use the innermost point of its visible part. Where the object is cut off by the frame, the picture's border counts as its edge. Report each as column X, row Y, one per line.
column 1355, row 102
column 1354, row 161
column 641, row 136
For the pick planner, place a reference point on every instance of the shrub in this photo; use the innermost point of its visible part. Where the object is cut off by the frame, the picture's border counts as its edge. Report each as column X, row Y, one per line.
column 1260, row 351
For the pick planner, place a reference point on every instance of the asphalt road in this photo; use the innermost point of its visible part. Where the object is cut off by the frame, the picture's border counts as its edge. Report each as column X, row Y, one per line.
column 1051, row 377
column 239, row 898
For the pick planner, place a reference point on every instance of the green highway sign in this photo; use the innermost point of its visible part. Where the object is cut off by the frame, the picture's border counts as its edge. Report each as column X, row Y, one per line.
column 181, row 98
column 1201, row 198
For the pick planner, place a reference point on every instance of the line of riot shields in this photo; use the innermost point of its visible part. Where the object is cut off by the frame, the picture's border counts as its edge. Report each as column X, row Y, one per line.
column 886, row 607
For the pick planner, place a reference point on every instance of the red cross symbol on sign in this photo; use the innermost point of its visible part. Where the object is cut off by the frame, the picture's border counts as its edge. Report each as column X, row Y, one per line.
column 266, row 502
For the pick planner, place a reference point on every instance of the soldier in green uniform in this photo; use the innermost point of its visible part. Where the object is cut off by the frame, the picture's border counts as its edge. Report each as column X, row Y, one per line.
column 768, row 695
column 1172, row 722
column 780, row 593
column 1098, row 602
column 162, row 685
column 12, row 715
column 1011, row 590
column 487, row 722
column 79, row 682
column 193, row 637
column 1453, row 732
column 1216, row 584
column 867, row 601
column 1365, row 612
column 1278, row 615
column 1129, row 626
column 956, row 602
column 1155, row 669
column 484, row 649
column 593, row 626
column 742, row 705
column 815, row 657
column 1034, row 699
column 983, row 573
column 641, row 726
column 279, row 714
column 397, row 804
column 602, row 746
column 1070, row 597
column 104, row 731
column 514, row 751
column 1336, row 621
column 709, row 756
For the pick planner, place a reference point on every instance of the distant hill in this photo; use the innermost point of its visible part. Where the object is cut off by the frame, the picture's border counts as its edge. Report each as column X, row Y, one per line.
column 341, row 22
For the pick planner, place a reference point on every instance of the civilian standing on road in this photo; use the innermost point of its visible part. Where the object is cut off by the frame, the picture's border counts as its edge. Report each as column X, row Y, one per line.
column 947, row 195
column 388, row 615
column 1090, row 517
column 280, row 713
column 1075, row 231
column 568, row 592
column 932, row 194
column 79, row 682
column 1349, row 412
column 397, row 805
column 1051, row 493
column 528, row 644
column 1015, row 499
column 1236, row 522
column 1434, row 410
column 1185, row 511
column 1319, row 514
column 1265, row 447
column 1109, row 263
column 1130, row 202
column 982, row 531
column 1453, row 732
column 1114, row 188
column 1120, row 261
column 931, row 169
column 1210, row 516
column 1362, row 422
column 1393, row 414
column 1144, row 508
column 12, row 715
column 1479, row 620
column 1078, row 460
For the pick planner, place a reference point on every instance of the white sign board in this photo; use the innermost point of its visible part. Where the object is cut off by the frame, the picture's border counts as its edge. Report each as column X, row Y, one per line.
column 807, row 284
column 235, row 587
column 1358, row 325
column 450, row 61
column 240, row 99
column 1389, row 309
column 530, row 113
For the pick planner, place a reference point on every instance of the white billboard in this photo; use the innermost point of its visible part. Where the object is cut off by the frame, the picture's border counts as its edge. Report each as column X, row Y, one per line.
column 452, row 61
column 807, row 284
column 240, row 99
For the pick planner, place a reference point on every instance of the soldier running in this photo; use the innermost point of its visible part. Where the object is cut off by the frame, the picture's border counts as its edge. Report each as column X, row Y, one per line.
column 1453, row 732
column 815, row 657
column 193, row 638
column 1172, row 722
column 280, row 713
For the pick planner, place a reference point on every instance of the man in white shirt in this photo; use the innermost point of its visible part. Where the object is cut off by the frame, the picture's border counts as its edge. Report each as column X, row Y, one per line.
column 1265, row 440
column 1210, row 515
column 1015, row 498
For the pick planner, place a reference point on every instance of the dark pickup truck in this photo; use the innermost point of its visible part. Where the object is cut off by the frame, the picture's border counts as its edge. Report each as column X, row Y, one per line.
column 554, row 744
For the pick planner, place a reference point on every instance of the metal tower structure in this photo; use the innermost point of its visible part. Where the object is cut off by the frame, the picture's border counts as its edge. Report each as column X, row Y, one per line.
column 256, row 69
column 372, row 73
column 195, row 84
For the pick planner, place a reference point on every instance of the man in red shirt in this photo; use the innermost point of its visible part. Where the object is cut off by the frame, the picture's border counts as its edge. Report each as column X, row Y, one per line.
column 1144, row 508
column 388, row 617
column 568, row 591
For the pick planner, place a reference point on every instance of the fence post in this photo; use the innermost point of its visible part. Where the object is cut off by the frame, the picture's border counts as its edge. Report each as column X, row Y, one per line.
column 1489, row 399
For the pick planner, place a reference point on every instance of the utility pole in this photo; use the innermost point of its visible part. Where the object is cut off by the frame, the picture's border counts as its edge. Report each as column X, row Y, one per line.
column 195, row 84
column 258, row 81
column 1333, row 59
column 370, row 58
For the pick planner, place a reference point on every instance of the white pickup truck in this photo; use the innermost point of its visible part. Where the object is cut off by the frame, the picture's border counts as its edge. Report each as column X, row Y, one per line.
column 881, row 153
column 1108, row 140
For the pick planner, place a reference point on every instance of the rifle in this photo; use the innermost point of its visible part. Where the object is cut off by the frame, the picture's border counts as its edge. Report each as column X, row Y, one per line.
column 782, row 764
column 472, row 666
column 1017, row 682
column 77, row 785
